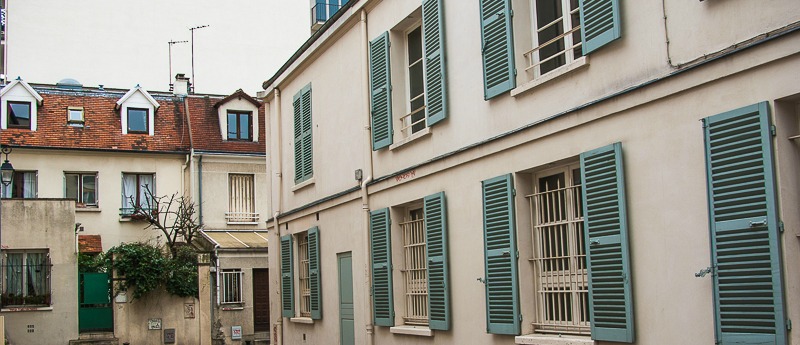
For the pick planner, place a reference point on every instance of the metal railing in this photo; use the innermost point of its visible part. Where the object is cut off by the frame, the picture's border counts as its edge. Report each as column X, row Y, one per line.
column 533, row 57
column 305, row 287
column 130, row 211
column 321, row 12
column 231, row 286
column 406, row 122
column 415, row 272
column 241, row 217
column 26, row 285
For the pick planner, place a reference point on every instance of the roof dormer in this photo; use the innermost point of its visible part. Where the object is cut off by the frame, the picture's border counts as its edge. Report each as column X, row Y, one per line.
column 19, row 105
column 238, row 117
column 137, row 111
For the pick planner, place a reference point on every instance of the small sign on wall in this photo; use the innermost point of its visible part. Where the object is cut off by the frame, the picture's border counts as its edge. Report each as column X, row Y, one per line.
column 169, row 336
column 154, row 324
column 188, row 310
column 236, row 332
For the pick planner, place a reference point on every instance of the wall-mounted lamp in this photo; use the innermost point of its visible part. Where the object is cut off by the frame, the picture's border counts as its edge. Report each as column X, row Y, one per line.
column 6, row 170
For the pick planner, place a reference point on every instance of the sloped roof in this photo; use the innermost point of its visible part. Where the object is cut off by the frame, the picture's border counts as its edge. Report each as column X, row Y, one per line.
column 27, row 87
column 238, row 94
column 206, row 132
column 90, row 244
column 238, row 239
column 133, row 91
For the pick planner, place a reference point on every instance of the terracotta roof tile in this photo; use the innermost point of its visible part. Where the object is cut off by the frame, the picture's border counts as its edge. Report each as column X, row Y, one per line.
column 206, row 129
column 90, row 244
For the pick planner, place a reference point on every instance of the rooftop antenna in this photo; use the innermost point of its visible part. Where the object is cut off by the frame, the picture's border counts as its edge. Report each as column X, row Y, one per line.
column 194, row 81
column 170, row 43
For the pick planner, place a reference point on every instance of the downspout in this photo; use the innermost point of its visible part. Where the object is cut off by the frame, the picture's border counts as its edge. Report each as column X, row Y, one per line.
column 213, row 306
column 200, row 187
column 369, row 327
column 189, row 159
column 277, row 188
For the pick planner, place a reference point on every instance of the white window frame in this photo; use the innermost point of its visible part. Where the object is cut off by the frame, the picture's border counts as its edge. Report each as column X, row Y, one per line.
column 231, row 279
column 137, row 201
column 415, row 278
column 75, row 122
column 8, row 191
column 532, row 56
column 406, row 125
column 80, row 201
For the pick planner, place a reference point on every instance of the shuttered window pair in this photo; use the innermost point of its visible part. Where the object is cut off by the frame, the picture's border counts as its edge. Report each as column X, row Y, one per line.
column 600, row 20
column 380, row 82
column 311, row 284
column 303, row 150
column 605, row 232
column 435, row 225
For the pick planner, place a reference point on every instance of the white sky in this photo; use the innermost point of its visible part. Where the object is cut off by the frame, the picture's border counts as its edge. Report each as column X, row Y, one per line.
column 121, row 43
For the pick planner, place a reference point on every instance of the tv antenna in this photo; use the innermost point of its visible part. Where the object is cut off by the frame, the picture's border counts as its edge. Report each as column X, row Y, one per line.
column 171, row 43
column 194, row 81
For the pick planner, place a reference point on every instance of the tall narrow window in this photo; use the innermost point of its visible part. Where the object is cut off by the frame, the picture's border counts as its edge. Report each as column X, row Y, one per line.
column 557, row 35
column 559, row 253
column 231, row 286
column 240, row 125
column 305, row 288
column 415, row 120
column 27, row 278
column 23, row 185
column 137, row 191
column 82, row 187
column 241, row 203
column 19, row 114
column 415, row 264
column 137, row 120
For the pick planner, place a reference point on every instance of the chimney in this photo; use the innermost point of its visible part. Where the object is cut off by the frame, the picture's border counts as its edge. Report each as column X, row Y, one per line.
column 181, row 85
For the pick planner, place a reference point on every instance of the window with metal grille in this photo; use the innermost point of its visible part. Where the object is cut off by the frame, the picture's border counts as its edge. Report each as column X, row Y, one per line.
column 556, row 35
column 415, row 268
column 559, row 253
column 231, row 286
column 305, row 288
column 26, row 278
column 241, row 199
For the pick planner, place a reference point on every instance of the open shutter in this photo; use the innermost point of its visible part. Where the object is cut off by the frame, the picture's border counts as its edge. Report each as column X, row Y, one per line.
column 601, row 23
column 500, row 250
column 287, row 277
column 435, row 78
column 745, row 251
column 436, row 246
column 381, row 244
column 606, row 232
column 380, row 86
column 314, row 279
column 497, row 47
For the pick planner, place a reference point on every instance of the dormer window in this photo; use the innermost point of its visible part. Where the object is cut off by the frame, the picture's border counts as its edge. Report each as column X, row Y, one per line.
column 19, row 115
column 137, row 112
column 18, row 105
column 240, row 125
column 75, row 116
column 137, row 120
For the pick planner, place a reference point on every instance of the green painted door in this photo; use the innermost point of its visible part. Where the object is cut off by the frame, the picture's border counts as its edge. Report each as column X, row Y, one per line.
column 94, row 302
column 347, row 329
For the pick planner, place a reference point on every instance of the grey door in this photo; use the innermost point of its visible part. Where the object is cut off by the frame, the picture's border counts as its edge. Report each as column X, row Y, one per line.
column 346, row 324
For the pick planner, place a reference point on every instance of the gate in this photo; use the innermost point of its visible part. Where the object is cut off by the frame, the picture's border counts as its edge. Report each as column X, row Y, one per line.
column 95, row 311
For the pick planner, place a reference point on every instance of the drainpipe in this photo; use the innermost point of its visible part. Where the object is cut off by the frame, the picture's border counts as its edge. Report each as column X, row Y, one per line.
column 368, row 167
column 277, row 189
column 213, row 306
column 200, row 187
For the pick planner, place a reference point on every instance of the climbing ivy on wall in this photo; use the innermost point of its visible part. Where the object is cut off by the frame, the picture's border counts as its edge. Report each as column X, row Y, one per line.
column 145, row 268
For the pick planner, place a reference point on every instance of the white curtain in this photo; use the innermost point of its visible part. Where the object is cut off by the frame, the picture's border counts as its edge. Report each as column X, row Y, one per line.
column 29, row 186
column 146, row 184
column 128, row 192
column 7, row 190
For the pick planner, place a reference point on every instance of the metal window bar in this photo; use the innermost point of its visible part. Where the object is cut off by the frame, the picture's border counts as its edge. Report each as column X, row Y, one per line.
column 241, row 203
column 559, row 259
column 305, row 289
column 415, row 272
column 232, row 286
column 532, row 56
column 405, row 121
column 26, row 284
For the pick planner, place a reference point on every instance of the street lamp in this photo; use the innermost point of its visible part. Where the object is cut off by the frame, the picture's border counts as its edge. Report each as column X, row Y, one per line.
column 6, row 170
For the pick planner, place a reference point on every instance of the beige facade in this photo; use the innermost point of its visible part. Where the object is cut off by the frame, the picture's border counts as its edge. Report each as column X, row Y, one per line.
column 675, row 64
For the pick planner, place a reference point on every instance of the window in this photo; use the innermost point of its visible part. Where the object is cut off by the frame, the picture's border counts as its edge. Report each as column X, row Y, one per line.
column 24, row 185
column 240, row 125
column 231, row 286
column 415, row 120
column 556, row 35
column 305, row 289
column 303, row 150
column 415, row 268
column 137, row 191
column 75, row 116
column 81, row 187
column 27, row 278
column 559, row 252
column 308, row 283
column 19, row 114
column 241, row 199
column 137, row 120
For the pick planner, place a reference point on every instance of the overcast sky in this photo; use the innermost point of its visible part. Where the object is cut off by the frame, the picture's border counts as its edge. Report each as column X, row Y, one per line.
column 121, row 43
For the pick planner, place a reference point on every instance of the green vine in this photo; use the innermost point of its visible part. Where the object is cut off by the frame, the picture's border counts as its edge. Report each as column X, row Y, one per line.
column 181, row 273
column 145, row 268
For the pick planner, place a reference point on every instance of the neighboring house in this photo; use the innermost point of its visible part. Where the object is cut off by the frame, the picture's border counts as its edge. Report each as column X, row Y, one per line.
column 579, row 172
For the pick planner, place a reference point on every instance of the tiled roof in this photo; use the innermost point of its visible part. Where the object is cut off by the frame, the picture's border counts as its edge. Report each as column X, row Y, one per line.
column 90, row 244
column 206, row 132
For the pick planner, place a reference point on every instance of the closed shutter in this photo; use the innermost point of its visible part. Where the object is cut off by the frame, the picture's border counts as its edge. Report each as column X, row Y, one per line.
column 314, row 278
column 497, row 47
column 745, row 251
column 500, row 250
column 606, row 232
column 287, row 277
column 436, row 246
column 298, row 134
column 380, row 86
column 303, row 149
column 435, row 76
column 381, row 244
column 601, row 23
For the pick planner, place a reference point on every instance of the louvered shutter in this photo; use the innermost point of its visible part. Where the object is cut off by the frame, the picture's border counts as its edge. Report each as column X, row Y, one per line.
column 380, row 86
column 298, row 133
column 606, row 232
column 435, row 76
column 314, row 278
column 601, row 23
column 287, row 277
column 500, row 250
column 381, row 244
column 745, row 251
column 497, row 47
column 308, row 152
column 436, row 246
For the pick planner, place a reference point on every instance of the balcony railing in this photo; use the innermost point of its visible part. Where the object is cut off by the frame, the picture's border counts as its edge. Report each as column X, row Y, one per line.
column 321, row 12
column 241, row 217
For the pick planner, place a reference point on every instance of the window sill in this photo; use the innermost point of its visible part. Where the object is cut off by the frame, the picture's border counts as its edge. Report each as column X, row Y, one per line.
column 241, row 223
column 87, row 209
column 233, row 308
column 421, row 331
column 16, row 309
column 552, row 339
column 580, row 63
column 303, row 184
column 418, row 135
column 305, row 320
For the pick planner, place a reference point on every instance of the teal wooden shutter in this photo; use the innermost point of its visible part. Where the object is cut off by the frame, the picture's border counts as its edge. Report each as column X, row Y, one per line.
column 314, row 278
column 606, row 234
column 745, row 250
column 497, row 47
column 303, row 149
column 298, row 133
column 287, row 277
column 435, row 77
column 380, row 86
column 436, row 247
column 500, row 260
column 601, row 23
column 381, row 244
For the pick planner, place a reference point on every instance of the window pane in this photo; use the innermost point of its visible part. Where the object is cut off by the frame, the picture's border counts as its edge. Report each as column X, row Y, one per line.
column 232, row 134
column 137, row 120
column 548, row 11
column 13, row 287
column 71, row 186
column 244, row 126
column 20, row 114
column 75, row 115
column 146, row 190
column 128, row 192
column 89, row 191
column 415, row 45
